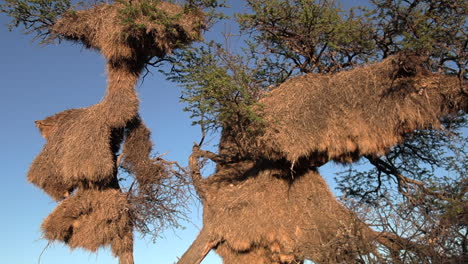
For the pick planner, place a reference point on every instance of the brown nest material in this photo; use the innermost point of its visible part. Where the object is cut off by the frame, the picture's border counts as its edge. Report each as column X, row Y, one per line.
column 81, row 143
column 134, row 29
column 80, row 154
column 137, row 155
column 154, row 196
column 278, row 220
column 102, row 208
column 364, row 111
column 91, row 219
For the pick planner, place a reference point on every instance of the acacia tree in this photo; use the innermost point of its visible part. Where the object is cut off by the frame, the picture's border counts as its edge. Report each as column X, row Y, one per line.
column 335, row 110
column 266, row 201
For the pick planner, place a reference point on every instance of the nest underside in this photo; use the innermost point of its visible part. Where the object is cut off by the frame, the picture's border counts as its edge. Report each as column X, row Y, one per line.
column 79, row 149
column 91, row 219
column 283, row 220
column 82, row 143
column 364, row 111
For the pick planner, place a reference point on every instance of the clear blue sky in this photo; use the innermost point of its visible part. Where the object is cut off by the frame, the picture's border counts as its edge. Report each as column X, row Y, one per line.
column 38, row 81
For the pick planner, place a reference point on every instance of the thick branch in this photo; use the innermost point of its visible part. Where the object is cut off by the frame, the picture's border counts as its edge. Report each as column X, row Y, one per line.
column 396, row 243
column 126, row 258
column 173, row 166
column 195, row 168
column 195, row 173
column 199, row 249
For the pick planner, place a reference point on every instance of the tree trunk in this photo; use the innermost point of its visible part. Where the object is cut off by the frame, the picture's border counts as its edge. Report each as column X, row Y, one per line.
column 199, row 249
column 126, row 258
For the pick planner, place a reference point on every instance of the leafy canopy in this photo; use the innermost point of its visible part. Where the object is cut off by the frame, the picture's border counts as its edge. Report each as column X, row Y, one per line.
column 284, row 38
column 38, row 16
column 418, row 190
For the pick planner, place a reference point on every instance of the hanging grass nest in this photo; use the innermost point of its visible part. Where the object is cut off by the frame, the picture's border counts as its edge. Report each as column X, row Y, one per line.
column 272, row 206
column 80, row 160
column 98, row 214
column 82, row 143
column 91, row 219
column 269, row 216
column 137, row 152
column 132, row 29
column 364, row 111
column 81, row 157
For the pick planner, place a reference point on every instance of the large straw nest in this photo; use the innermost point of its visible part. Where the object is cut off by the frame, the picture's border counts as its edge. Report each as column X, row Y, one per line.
column 282, row 219
column 266, row 211
column 73, row 155
column 82, row 143
column 91, row 219
column 134, row 29
column 364, row 111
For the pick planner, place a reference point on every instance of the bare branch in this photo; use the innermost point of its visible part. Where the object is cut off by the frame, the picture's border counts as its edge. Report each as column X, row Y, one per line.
column 404, row 182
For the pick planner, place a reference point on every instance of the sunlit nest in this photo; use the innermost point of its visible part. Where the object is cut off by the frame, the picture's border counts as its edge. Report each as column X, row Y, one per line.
column 133, row 29
column 364, row 111
column 91, row 219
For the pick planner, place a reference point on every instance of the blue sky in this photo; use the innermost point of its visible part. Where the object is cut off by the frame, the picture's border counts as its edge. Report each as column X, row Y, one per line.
column 38, row 81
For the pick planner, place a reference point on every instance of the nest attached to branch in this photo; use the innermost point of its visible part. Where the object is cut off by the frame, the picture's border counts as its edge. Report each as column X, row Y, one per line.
column 364, row 111
column 82, row 143
column 157, row 194
column 99, row 214
column 268, row 216
column 90, row 219
column 133, row 29
column 137, row 155
column 80, row 156
column 262, row 209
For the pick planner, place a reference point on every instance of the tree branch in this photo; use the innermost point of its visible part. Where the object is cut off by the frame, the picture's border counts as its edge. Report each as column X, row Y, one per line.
column 403, row 182
column 199, row 248
column 194, row 166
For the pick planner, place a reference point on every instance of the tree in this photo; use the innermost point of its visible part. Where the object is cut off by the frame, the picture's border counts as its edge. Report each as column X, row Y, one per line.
column 286, row 128
column 80, row 160
column 297, row 98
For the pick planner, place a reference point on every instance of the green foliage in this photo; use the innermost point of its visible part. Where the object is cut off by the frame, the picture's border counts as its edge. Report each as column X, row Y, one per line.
column 147, row 9
column 436, row 28
column 134, row 12
column 317, row 36
column 418, row 190
column 36, row 16
column 291, row 37
column 218, row 87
